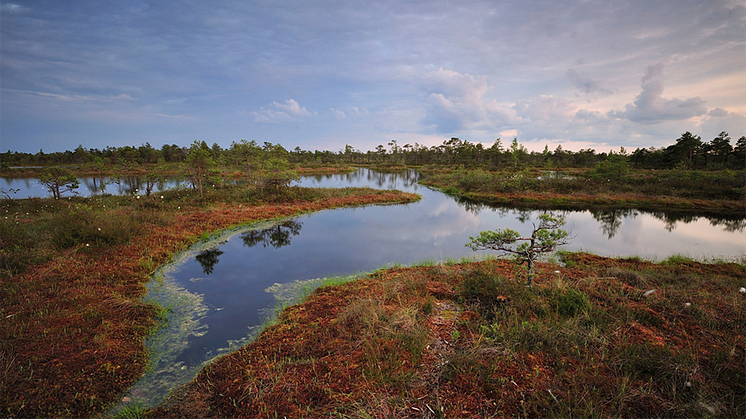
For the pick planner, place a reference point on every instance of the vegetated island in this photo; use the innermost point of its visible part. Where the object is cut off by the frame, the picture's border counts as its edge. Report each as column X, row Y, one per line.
column 720, row 193
column 598, row 337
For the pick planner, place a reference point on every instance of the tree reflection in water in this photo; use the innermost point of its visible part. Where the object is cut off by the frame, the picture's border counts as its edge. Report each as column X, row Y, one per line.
column 276, row 236
column 731, row 226
column 611, row 220
column 208, row 259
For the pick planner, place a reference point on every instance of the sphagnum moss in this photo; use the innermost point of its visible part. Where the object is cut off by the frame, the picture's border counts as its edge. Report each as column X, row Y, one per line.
column 73, row 325
column 589, row 344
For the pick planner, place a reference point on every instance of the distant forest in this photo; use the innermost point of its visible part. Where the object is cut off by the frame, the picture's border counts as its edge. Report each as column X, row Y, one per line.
column 689, row 151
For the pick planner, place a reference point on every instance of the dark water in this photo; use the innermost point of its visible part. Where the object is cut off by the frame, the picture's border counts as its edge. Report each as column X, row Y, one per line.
column 218, row 290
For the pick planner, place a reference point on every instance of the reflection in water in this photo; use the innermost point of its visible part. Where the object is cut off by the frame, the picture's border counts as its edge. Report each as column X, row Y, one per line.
column 29, row 187
column 129, row 185
column 208, row 259
column 94, row 185
column 275, row 236
column 348, row 241
column 731, row 226
column 733, row 223
column 611, row 220
column 403, row 180
column 523, row 215
column 470, row 206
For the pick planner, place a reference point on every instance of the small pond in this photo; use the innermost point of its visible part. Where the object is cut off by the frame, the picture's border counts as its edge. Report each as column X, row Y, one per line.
column 222, row 290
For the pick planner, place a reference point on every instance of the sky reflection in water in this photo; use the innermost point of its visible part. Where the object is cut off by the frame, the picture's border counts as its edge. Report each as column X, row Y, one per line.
column 231, row 275
column 345, row 241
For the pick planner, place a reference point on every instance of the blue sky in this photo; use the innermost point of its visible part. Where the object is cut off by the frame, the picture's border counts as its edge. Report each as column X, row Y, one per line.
column 322, row 74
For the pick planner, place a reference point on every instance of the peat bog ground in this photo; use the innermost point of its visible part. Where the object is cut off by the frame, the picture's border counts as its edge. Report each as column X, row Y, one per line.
column 597, row 337
column 73, row 274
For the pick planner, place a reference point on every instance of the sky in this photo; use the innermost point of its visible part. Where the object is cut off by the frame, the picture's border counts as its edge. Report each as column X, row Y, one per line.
column 323, row 74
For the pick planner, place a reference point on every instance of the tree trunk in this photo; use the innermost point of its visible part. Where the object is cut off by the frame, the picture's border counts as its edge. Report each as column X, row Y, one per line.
column 199, row 180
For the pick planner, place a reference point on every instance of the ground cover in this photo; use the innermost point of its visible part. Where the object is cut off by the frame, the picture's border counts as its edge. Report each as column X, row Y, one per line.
column 595, row 337
column 73, row 271
column 719, row 191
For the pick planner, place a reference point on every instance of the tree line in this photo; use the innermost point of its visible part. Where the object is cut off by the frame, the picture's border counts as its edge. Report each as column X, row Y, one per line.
column 267, row 167
column 688, row 151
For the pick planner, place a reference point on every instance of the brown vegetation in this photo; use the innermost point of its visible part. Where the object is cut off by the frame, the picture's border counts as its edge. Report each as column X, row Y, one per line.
column 73, row 322
column 470, row 340
column 715, row 192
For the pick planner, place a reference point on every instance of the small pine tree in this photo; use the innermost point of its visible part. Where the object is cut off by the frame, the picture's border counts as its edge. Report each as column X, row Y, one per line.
column 58, row 180
column 546, row 237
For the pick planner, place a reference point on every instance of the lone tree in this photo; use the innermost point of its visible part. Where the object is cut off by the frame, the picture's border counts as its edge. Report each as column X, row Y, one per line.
column 58, row 180
column 199, row 163
column 546, row 237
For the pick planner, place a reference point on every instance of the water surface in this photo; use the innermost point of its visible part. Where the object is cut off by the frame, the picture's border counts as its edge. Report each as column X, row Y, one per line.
column 225, row 282
column 30, row 187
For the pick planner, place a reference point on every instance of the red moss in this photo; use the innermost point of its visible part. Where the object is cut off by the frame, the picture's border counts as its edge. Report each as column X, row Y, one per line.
column 73, row 328
column 316, row 362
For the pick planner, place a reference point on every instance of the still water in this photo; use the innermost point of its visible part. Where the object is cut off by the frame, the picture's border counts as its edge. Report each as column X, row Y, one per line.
column 30, row 187
column 221, row 291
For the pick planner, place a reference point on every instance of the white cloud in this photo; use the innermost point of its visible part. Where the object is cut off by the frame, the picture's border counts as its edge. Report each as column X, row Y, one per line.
column 455, row 102
column 465, row 88
column 11, row 8
column 651, row 108
column 508, row 133
column 358, row 112
column 338, row 114
column 287, row 111
column 292, row 107
column 418, row 70
column 719, row 120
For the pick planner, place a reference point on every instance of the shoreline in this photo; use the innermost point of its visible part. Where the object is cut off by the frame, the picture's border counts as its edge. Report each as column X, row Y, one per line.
column 610, row 200
column 74, row 326
column 612, row 336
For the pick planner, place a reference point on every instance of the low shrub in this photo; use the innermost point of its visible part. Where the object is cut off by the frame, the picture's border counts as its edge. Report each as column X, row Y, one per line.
column 569, row 303
column 85, row 227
